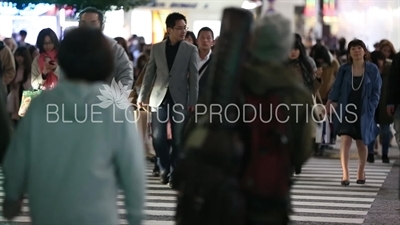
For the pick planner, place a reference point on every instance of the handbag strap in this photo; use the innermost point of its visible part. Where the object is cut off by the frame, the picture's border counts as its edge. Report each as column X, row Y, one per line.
column 205, row 65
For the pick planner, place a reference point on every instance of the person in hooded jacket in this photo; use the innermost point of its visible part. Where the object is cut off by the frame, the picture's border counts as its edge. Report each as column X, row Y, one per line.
column 269, row 47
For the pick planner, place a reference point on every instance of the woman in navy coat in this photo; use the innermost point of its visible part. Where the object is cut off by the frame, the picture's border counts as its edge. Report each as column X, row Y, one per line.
column 352, row 103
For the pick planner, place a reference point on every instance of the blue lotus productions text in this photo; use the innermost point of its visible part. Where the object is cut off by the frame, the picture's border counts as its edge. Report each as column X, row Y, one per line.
column 231, row 113
column 234, row 113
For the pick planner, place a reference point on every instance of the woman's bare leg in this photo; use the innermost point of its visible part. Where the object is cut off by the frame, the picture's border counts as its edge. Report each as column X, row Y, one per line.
column 344, row 155
column 362, row 159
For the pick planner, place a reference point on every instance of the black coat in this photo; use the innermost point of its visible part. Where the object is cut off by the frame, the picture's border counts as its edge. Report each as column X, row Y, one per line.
column 203, row 82
column 393, row 94
column 5, row 124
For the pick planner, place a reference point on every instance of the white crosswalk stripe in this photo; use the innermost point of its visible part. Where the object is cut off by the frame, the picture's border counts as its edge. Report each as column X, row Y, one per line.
column 317, row 196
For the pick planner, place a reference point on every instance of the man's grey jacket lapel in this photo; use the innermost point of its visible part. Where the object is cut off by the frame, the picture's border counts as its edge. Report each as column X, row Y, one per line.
column 178, row 59
column 163, row 54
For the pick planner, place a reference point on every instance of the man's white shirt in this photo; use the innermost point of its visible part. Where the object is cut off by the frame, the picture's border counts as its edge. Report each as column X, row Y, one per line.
column 203, row 61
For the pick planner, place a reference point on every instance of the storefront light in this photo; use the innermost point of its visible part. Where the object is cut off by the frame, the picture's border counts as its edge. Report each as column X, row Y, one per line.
column 62, row 17
column 10, row 9
column 251, row 4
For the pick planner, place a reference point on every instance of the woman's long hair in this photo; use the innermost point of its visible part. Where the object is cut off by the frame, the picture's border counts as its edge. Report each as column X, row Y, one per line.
column 142, row 60
column 121, row 41
column 193, row 36
column 31, row 50
column 387, row 43
column 303, row 62
column 303, row 57
column 376, row 56
column 24, row 53
column 322, row 53
column 41, row 36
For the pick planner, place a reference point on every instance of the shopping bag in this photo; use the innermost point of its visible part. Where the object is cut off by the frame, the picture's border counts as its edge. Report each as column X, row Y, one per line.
column 27, row 97
column 141, row 123
column 318, row 110
column 318, row 133
column 324, row 132
column 332, row 135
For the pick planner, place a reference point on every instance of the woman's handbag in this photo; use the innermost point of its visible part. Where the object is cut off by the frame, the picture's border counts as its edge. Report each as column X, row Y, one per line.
column 141, row 121
column 318, row 110
column 324, row 133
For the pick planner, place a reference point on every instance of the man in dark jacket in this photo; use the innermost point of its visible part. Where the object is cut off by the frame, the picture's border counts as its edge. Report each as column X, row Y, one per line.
column 393, row 95
column 205, row 41
column 5, row 131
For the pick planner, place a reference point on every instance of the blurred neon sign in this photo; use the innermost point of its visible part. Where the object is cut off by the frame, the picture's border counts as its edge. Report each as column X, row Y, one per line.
column 10, row 9
column 310, row 9
column 329, row 7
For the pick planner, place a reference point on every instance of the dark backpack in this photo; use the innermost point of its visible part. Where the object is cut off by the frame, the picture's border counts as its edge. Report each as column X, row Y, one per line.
column 206, row 174
column 275, row 147
column 209, row 192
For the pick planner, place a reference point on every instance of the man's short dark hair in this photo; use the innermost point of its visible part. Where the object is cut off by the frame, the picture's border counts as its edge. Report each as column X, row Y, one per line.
column 86, row 54
column 172, row 18
column 206, row 29
column 23, row 33
column 93, row 10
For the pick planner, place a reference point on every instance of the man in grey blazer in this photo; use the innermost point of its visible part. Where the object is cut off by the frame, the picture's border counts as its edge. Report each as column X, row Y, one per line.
column 171, row 81
column 92, row 17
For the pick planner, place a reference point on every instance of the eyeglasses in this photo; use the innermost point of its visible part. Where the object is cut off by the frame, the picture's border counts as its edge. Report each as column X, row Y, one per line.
column 48, row 43
column 181, row 28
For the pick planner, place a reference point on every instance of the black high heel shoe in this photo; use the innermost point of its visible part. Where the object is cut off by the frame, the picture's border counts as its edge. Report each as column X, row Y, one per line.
column 345, row 183
column 361, row 181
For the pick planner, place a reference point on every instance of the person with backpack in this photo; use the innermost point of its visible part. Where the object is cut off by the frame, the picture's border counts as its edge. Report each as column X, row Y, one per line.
column 240, row 173
column 273, row 148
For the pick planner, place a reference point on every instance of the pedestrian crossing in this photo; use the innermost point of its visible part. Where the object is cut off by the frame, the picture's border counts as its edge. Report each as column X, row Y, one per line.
column 317, row 196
